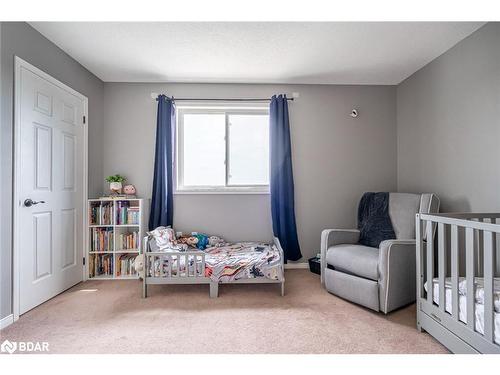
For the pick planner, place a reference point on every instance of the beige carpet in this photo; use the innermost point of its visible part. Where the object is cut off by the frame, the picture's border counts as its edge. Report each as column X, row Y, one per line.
column 111, row 317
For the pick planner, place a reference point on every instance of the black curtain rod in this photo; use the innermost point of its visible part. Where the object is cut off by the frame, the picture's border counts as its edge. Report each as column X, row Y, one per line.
column 223, row 100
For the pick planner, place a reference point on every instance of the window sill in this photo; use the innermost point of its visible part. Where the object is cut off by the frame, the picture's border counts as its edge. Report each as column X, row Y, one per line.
column 221, row 192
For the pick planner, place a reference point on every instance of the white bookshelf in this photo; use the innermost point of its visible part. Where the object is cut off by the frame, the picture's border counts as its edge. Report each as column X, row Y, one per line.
column 112, row 235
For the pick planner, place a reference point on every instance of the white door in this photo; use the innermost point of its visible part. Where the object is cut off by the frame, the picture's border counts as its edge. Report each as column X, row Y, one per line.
column 49, row 182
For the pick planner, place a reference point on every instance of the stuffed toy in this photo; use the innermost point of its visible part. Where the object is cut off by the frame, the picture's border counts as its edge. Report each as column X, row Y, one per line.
column 202, row 241
column 139, row 265
column 187, row 239
column 192, row 241
column 215, row 241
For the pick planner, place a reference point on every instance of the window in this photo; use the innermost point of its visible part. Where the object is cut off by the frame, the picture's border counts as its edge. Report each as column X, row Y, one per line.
column 222, row 149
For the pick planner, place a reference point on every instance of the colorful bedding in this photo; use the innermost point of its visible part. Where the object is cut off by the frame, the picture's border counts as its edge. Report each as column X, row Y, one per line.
column 226, row 262
column 244, row 260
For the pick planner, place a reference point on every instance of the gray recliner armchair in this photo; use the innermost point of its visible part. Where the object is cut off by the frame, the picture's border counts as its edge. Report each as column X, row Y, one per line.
column 382, row 279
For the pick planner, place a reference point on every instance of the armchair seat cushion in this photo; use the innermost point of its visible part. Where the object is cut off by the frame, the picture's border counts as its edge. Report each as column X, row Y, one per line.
column 356, row 260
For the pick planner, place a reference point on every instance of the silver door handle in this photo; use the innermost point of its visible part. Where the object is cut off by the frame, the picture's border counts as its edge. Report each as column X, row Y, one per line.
column 28, row 202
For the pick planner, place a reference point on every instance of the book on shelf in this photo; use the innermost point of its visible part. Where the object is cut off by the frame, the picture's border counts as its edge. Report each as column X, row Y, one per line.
column 101, row 265
column 125, row 265
column 126, row 214
column 100, row 213
column 128, row 241
column 101, row 239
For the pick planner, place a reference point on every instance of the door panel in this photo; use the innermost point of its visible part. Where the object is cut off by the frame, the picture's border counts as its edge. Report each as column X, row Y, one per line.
column 43, row 103
column 42, row 239
column 68, row 237
column 69, row 167
column 51, row 173
column 43, row 157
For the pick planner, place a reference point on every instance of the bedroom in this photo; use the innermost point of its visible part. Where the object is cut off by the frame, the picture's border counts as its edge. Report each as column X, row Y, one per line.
column 250, row 133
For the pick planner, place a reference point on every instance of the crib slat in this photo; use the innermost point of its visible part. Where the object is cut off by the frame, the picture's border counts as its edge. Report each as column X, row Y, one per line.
column 454, row 271
column 441, row 266
column 202, row 265
column 430, row 262
column 488, row 285
column 186, row 264
column 169, row 265
column 480, row 249
column 469, row 274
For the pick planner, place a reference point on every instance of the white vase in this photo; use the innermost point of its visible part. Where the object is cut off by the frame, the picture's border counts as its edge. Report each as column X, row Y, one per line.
column 115, row 187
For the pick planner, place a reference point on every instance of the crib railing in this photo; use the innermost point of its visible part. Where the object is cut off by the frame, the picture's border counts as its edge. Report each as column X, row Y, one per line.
column 443, row 241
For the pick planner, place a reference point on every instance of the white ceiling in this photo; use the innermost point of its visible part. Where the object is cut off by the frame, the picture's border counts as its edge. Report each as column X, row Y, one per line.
column 275, row 52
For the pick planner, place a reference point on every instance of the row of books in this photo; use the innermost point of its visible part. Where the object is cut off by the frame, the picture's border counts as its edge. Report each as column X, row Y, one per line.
column 128, row 241
column 125, row 265
column 101, row 214
column 101, row 239
column 126, row 214
column 100, row 265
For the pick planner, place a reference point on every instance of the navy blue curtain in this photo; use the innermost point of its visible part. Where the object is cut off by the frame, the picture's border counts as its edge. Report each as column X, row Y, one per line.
column 162, row 209
column 282, row 192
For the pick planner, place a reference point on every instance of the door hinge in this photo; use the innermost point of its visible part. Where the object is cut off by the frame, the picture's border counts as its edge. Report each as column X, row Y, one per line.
column 84, row 119
column 83, row 260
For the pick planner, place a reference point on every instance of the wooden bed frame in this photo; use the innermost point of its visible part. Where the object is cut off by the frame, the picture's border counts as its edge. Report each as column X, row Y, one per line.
column 191, row 276
column 480, row 251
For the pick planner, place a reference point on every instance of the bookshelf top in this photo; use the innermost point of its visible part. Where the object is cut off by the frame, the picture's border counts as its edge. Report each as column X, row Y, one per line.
column 114, row 199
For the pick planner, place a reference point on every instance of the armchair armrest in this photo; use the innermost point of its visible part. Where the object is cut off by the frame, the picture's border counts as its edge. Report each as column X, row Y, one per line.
column 331, row 237
column 396, row 269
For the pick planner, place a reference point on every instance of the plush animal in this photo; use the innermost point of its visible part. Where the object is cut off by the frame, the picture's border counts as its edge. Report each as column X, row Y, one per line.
column 215, row 241
column 139, row 265
column 186, row 240
column 202, row 241
column 192, row 241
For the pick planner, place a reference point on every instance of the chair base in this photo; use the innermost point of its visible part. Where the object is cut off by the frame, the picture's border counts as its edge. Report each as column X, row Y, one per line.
column 355, row 289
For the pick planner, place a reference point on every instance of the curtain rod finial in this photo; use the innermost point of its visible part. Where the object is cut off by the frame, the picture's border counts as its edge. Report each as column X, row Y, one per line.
column 295, row 95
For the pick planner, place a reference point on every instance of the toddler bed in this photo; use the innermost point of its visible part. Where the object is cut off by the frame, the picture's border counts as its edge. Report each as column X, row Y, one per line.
column 168, row 260
column 458, row 283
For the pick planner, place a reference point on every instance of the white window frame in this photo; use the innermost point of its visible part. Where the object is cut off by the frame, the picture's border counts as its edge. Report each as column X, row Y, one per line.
column 220, row 108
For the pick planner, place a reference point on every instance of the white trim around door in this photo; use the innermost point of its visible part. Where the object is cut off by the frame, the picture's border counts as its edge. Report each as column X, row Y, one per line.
column 19, row 64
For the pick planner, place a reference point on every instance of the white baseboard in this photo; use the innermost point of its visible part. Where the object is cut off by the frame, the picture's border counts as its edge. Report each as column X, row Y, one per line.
column 296, row 266
column 7, row 321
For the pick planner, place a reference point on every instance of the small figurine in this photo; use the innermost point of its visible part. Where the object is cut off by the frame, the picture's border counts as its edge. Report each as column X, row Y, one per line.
column 129, row 189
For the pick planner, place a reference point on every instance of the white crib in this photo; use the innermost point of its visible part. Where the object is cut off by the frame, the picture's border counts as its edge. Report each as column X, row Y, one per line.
column 458, row 289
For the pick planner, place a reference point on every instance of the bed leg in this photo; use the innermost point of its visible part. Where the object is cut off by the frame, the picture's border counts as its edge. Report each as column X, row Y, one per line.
column 419, row 325
column 214, row 290
column 283, row 289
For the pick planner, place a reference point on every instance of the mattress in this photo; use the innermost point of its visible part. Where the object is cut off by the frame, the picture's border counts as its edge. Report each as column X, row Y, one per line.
column 479, row 303
column 231, row 262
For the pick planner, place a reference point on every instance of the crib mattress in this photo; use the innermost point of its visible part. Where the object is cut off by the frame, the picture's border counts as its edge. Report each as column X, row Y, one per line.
column 479, row 303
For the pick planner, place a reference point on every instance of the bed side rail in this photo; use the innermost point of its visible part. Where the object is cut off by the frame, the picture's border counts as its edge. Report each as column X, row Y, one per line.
column 462, row 255
column 162, row 264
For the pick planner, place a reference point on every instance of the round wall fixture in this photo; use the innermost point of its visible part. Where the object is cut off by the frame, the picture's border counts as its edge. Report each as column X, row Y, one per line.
column 354, row 113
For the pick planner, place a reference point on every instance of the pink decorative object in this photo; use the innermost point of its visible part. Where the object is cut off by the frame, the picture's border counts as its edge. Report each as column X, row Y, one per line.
column 129, row 190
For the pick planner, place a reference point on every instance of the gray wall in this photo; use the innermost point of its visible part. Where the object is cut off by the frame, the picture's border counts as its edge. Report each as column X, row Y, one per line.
column 22, row 40
column 335, row 157
column 448, row 116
